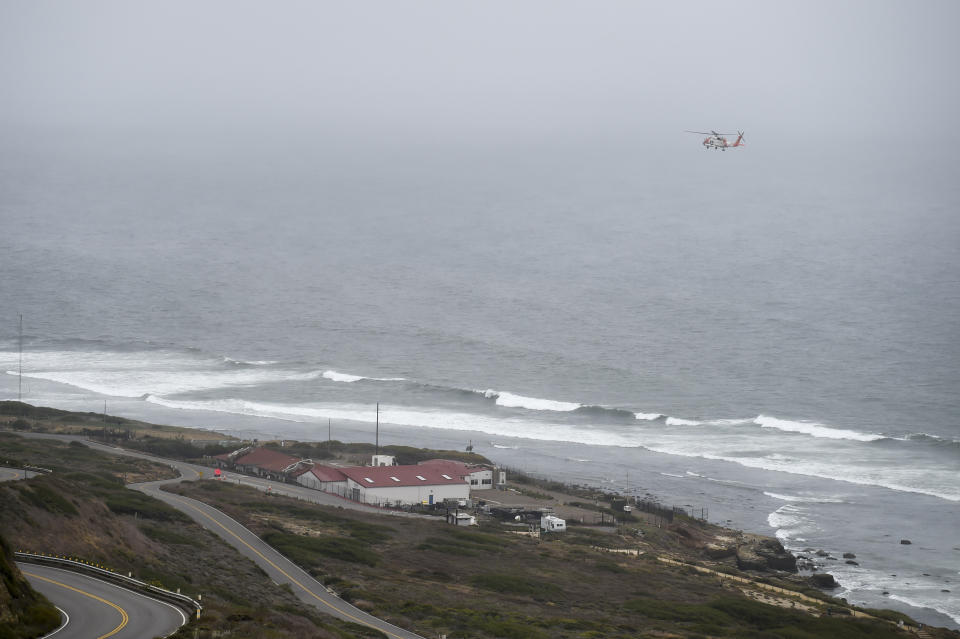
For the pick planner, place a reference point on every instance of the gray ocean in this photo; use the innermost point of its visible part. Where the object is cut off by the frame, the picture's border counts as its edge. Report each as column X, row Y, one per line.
column 768, row 334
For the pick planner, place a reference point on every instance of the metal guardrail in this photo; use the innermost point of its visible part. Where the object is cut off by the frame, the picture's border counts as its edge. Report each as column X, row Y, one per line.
column 185, row 603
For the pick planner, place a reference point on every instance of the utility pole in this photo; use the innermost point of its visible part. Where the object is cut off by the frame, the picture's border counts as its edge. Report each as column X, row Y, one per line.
column 377, row 446
column 328, row 430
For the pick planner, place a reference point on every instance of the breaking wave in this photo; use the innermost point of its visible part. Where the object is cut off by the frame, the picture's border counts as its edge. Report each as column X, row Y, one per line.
column 241, row 362
column 348, row 378
column 648, row 416
column 511, row 400
column 604, row 411
column 804, row 499
column 813, row 429
column 676, row 421
column 134, row 384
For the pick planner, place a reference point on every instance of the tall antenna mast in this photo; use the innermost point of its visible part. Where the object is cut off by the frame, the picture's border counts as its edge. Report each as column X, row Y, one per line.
column 377, row 452
column 20, row 369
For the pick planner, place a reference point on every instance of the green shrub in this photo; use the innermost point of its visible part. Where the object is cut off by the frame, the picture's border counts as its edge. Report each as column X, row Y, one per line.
column 442, row 545
column 362, row 531
column 306, row 551
column 130, row 502
column 515, row 585
column 44, row 497
column 100, row 481
column 673, row 611
column 165, row 536
column 610, row 566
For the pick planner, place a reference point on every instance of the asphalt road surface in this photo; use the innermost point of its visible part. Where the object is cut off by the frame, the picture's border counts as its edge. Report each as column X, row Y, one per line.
column 93, row 608
column 278, row 567
column 12, row 474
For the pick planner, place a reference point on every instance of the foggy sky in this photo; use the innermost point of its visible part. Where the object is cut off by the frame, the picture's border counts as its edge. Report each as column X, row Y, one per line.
column 484, row 70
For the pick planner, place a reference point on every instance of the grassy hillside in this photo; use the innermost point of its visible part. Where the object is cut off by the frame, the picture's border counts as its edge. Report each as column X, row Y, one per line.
column 82, row 509
column 19, row 416
column 490, row 582
column 23, row 612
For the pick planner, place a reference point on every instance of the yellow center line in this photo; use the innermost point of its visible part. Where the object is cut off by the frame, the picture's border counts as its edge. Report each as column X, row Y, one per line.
column 124, row 618
column 278, row 568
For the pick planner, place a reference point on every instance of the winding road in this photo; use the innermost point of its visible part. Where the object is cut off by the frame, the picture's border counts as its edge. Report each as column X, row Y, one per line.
column 93, row 608
column 278, row 567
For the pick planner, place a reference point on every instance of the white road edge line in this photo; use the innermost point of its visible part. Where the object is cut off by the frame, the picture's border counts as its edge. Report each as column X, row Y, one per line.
column 62, row 626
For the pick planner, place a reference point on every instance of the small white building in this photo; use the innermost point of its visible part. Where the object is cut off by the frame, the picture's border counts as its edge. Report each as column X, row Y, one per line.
column 550, row 523
column 384, row 460
column 461, row 519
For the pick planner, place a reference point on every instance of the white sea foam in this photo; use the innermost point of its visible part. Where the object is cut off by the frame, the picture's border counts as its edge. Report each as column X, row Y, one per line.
column 813, row 429
column 347, row 377
column 342, row 377
column 934, row 482
column 512, row 400
column 402, row 416
column 676, row 421
column 789, row 522
column 242, row 362
column 807, row 458
column 729, row 422
column 648, row 416
column 673, row 475
column 129, row 382
column 160, row 372
column 804, row 499
column 951, row 608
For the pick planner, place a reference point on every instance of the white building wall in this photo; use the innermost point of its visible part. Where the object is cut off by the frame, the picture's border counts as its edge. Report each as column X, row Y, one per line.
column 406, row 494
column 480, row 479
column 312, row 481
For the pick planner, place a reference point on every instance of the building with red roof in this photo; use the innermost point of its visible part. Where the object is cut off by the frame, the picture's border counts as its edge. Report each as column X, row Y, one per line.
column 265, row 462
column 477, row 477
column 325, row 478
column 403, row 485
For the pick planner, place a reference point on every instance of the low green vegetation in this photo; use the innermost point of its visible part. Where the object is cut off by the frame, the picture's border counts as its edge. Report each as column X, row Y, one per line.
column 42, row 495
column 309, row 552
column 24, row 613
column 464, row 543
column 141, row 506
column 128, row 531
column 167, row 536
column 512, row 584
column 487, row 582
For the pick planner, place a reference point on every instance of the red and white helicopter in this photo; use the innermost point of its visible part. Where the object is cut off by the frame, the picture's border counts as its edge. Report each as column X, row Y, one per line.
column 716, row 140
